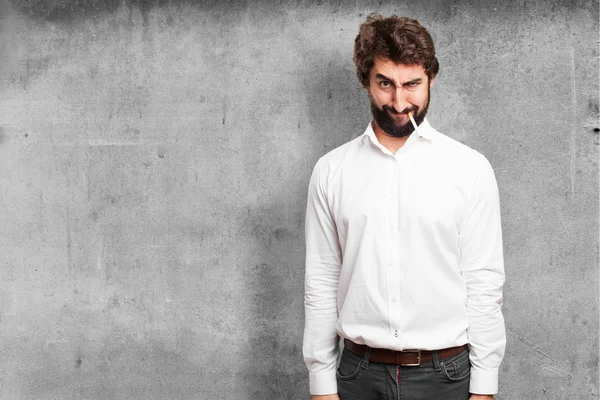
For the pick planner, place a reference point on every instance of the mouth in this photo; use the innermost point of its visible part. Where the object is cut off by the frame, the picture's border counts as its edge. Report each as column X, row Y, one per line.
column 404, row 113
column 398, row 116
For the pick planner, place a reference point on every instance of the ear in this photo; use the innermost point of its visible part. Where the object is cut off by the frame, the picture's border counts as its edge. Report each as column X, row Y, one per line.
column 431, row 82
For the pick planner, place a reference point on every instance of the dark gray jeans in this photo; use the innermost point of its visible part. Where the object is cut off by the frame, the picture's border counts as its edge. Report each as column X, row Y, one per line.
column 445, row 379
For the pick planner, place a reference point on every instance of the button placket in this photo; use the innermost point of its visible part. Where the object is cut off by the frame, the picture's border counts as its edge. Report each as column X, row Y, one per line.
column 391, row 217
column 392, row 238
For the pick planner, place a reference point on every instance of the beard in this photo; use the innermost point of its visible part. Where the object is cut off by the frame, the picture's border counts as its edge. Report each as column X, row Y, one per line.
column 384, row 117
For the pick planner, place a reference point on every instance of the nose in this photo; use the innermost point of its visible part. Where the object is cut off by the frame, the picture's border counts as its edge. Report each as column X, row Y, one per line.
column 399, row 100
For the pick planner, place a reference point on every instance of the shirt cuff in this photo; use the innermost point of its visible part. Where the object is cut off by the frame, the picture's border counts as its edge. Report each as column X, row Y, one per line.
column 323, row 382
column 483, row 381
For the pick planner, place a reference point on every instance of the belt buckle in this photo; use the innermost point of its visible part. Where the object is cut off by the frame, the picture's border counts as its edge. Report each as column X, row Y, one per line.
column 418, row 352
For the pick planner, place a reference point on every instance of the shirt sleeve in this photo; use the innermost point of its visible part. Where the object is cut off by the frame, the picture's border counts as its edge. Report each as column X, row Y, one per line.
column 482, row 267
column 323, row 262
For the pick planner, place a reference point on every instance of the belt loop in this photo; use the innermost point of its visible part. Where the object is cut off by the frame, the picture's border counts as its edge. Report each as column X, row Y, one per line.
column 365, row 360
column 436, row 361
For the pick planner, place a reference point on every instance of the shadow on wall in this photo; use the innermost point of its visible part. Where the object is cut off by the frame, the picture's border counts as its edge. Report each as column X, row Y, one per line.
column 273, row 366
column 338, row 104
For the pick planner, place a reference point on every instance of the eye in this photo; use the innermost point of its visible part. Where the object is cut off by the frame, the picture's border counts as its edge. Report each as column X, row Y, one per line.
column 412, row 86
column 386, row 86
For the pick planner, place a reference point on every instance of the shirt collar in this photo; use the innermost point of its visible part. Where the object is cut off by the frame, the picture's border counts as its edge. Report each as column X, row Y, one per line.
column 425, row 130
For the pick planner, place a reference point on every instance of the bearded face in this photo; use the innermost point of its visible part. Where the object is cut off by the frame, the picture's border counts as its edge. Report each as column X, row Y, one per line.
column 395, row 90
column 391, row 121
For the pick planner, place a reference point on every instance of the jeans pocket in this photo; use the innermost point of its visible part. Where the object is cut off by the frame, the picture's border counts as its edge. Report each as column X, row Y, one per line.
column 350, row 366
column 457, row 368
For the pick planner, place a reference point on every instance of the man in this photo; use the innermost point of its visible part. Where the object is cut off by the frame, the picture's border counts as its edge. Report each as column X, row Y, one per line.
column 403, row 244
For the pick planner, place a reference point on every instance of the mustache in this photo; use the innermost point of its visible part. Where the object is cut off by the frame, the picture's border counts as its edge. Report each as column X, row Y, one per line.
column 392, row 110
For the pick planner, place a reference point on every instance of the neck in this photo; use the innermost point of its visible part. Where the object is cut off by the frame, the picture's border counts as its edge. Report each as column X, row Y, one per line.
column 393, row 144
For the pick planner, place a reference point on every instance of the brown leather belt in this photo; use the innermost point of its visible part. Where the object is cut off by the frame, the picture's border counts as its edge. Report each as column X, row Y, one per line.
column 404, row 358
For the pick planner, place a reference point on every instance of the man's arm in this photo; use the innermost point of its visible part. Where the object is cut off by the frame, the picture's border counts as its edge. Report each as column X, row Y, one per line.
column 482, row 267
column 323, row 262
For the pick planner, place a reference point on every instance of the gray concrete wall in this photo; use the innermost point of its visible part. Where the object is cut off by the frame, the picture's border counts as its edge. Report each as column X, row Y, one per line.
column 154, row 161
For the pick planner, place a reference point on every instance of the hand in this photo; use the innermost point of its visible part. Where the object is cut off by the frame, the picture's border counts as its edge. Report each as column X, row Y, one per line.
column 326, row 397
column 481, row 397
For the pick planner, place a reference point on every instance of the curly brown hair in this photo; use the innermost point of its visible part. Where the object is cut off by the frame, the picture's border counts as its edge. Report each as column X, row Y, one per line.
column 399, row 39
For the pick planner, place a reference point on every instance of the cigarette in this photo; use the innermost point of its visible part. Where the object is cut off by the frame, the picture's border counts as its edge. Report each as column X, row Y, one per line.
column 410, row 115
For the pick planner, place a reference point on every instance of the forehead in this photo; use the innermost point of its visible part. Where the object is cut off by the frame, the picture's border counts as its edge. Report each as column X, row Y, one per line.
column 397, row 72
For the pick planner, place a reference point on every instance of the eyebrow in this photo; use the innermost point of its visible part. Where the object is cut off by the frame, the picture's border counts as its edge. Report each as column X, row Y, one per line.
column 383, row 77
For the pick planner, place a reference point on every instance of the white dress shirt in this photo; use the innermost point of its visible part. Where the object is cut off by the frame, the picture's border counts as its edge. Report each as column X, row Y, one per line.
column 404, row 251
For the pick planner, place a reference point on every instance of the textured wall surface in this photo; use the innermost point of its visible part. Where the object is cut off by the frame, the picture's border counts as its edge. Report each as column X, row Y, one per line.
column 154, row 161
